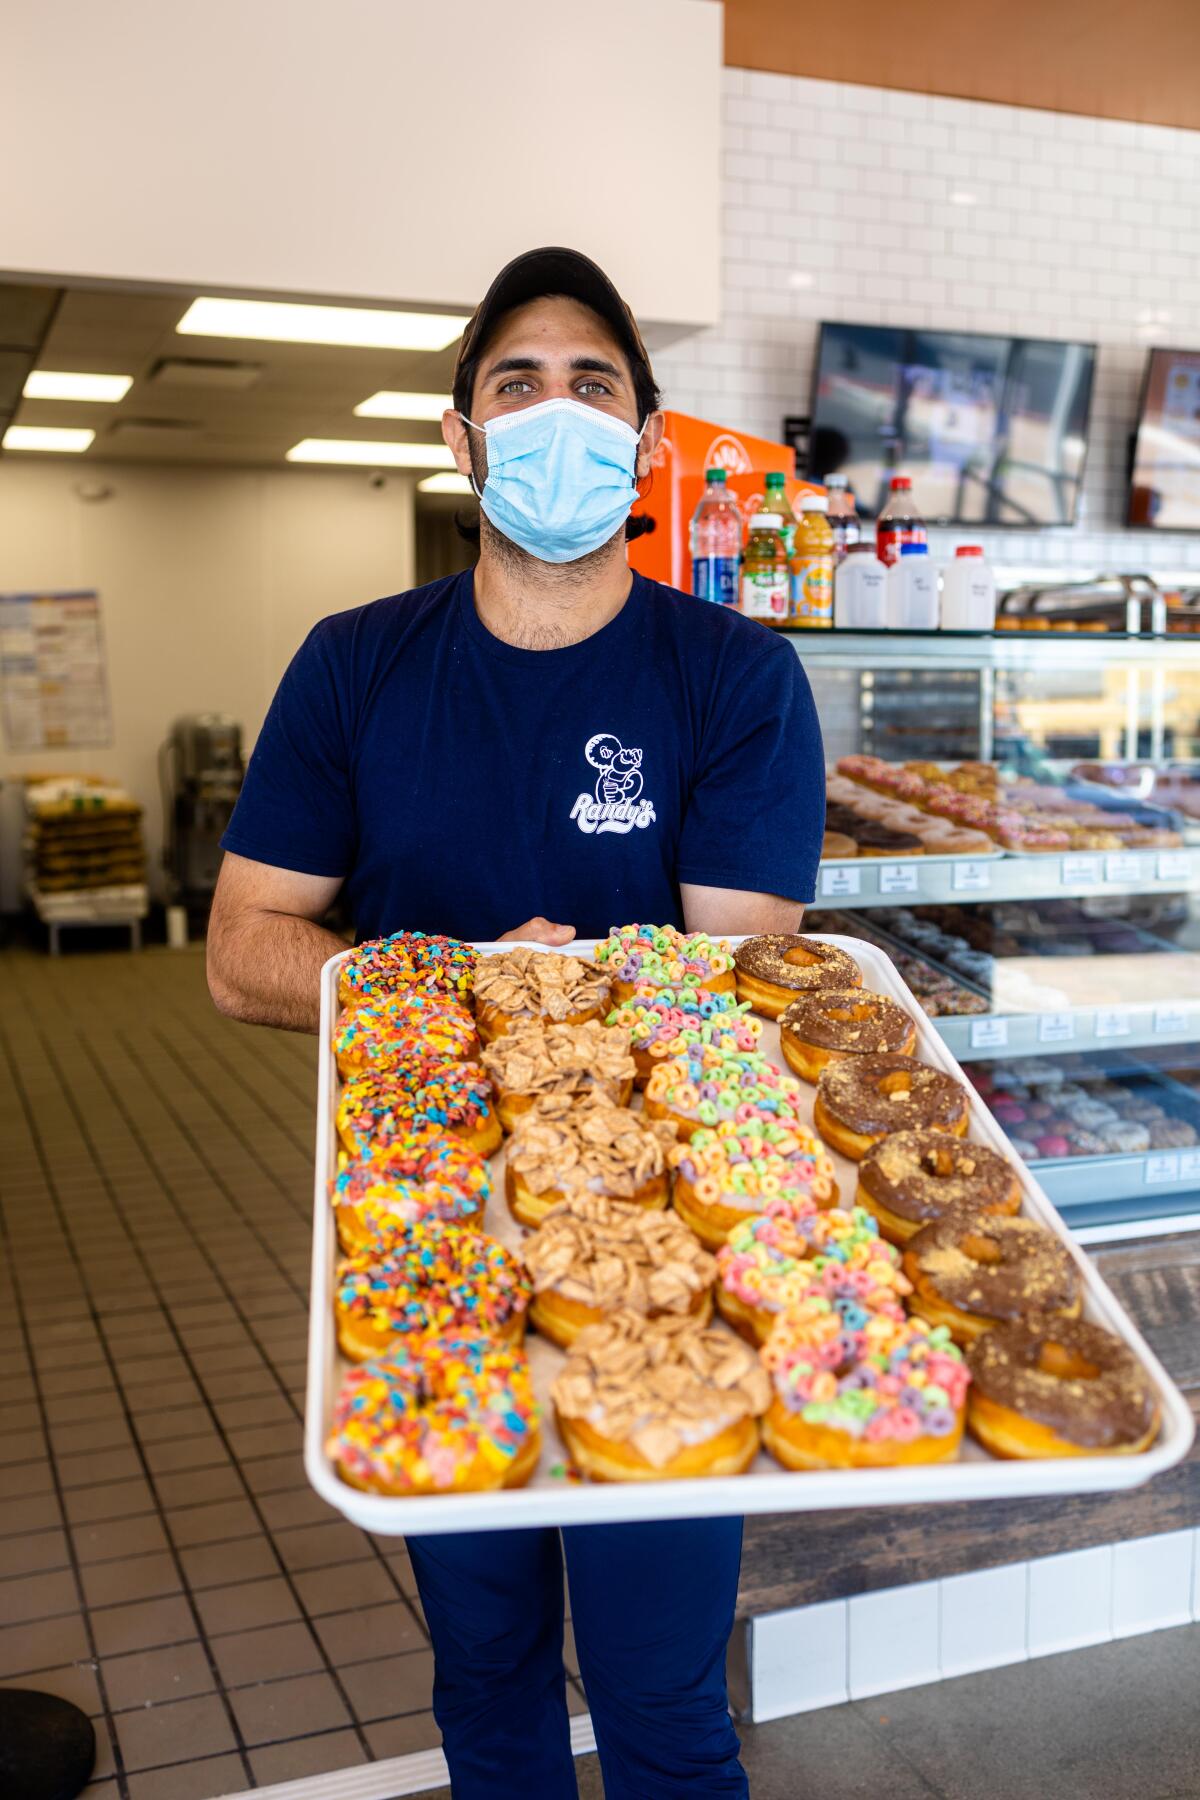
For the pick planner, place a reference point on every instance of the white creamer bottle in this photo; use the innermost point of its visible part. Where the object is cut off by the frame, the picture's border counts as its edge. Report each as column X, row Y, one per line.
column 860, row 591
column 968, row 591
column 913, row 590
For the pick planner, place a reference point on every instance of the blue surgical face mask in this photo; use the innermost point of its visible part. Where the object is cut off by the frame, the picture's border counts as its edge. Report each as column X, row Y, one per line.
column 560, row 477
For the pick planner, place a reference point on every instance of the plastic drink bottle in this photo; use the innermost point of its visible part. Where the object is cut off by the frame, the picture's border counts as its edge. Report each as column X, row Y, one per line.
column 716, row 542
column 765, row 571
column 913, row 591
column 775, row 500
column 843, row 516
column 968, row 592
column 812, row 565
column 860, row 588
column 899, row 523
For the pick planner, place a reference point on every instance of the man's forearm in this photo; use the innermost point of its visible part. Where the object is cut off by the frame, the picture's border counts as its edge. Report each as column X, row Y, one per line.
column 265, row 969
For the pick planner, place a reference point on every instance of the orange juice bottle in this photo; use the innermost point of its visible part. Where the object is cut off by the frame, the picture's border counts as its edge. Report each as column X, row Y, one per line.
column 812, row 565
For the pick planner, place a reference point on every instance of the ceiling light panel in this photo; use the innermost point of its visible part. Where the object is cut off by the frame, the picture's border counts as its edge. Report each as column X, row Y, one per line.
column 363, row 328
column 389, row 405
column 63, row 439
column 371, row 455
column 445, row 483
column 57, row 384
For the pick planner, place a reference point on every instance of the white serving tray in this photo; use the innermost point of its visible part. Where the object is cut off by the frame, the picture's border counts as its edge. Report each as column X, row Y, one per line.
column 766, row 1487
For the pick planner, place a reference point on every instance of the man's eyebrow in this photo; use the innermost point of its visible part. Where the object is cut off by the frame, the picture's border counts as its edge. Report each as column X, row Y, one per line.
column 596, row 365
column 513, row 365
column 591, row 365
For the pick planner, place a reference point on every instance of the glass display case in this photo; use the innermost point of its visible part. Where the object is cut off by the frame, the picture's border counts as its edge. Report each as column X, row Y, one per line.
column 1067, row 980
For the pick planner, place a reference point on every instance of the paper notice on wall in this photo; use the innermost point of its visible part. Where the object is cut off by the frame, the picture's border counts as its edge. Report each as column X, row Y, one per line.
column 53, row 673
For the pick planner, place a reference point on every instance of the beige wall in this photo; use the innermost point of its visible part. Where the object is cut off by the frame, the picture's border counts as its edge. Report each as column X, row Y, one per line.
column 208, row 578
column 376, row 149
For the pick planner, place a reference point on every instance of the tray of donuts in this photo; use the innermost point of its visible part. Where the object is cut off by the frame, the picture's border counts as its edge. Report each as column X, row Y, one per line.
column 660, row 1226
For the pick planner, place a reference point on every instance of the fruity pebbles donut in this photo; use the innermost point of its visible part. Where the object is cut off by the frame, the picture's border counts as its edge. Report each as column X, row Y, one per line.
column 709, row 1087
column 423, row 1174
column 783, row 1256
column 380, row 1105
column 663, row 1022
column 400, row 1026
column 666, row 956
column 407, row 962
column 440, row 1415
column 439, row 1278
column 744, row 1167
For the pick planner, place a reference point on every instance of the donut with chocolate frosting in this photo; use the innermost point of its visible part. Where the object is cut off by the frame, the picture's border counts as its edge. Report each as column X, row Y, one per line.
column 970, row 1272
column 1059, row 1387
column 777, row 966
column 910, row 1178
column 863, row 1098
column 833, row 1023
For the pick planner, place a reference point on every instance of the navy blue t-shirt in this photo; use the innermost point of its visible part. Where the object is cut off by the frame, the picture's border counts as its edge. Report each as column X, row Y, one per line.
column 461, row 785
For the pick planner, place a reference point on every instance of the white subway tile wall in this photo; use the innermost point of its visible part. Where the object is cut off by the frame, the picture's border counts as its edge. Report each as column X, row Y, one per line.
column 843, row 202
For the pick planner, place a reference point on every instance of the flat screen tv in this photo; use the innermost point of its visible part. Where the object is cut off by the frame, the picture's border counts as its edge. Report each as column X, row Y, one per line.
column 1164, row 488
column 992, row 430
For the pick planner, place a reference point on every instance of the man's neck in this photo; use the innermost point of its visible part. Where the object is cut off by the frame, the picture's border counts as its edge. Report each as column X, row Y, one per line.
column 545, row 606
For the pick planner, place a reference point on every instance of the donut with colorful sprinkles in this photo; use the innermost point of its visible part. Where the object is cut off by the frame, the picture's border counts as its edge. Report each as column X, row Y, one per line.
column 376, row 1107
column 663, row 1022
column 706, row 1087
column 404, row 963
column 385, row 1032
column 440, row 1278
column 782, row 1255
column 437, row 1415
column 742, row 1167
column 423, row 1174
column 665, row 955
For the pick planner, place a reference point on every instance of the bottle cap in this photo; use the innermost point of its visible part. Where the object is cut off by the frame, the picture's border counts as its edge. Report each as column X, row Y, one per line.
column 775, row 478
column 835, row 481
column 969, row 550
column 914, row 549
column 860, row 550
column 900, row 483
column 714, row 474
column 814, row 503
column 766, row 521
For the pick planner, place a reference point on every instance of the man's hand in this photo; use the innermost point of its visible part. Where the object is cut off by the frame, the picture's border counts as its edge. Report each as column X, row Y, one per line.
column 540, row 931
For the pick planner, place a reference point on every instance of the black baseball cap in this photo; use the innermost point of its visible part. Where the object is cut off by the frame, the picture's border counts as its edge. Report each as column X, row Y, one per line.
column 531, row 276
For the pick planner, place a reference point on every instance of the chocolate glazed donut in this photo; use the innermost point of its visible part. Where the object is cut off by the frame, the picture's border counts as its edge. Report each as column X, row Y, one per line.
column 970, row 1272
column 1059, row 1387
column 836, row 1022
column 776, row 967
column 911, row 1178
column 862, row 1099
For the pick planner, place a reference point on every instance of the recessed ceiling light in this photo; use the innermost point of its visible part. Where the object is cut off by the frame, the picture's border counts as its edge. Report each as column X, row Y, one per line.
column 47, row 437
column 960, row 197
column 54, row 384
column 367, row 328
column 389, row 405
column 446, row 483
column 357, row 450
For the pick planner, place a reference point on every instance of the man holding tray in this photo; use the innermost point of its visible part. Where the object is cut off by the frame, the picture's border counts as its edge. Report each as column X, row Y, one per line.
column 541, row 748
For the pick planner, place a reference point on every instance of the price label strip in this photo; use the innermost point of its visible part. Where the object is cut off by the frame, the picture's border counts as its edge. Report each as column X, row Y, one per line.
column 1174, row 865
column 1171, row 1020
column 1081, row 871
column 971, row 877
column 989, row 1034
column 1161, row 1168
column 1056, row 1028
column 1113, row 1021
column 900, row 878
column 1125, row 869
column 839, row 881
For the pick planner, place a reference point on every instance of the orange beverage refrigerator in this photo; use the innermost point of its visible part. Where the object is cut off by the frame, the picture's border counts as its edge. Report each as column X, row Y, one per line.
column 672, row 493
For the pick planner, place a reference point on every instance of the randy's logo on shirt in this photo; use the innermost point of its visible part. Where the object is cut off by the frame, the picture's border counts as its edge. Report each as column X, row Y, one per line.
column 616, row 803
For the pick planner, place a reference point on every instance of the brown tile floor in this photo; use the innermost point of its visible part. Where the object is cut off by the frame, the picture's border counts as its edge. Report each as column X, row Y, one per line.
column 162, row 1561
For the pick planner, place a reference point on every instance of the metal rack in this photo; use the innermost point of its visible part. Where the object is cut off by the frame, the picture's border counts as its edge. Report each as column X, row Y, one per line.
column 958, row 880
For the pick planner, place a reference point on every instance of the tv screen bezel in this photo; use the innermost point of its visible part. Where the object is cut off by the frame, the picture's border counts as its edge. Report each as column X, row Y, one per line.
column 1131, row 524
column 941, row 522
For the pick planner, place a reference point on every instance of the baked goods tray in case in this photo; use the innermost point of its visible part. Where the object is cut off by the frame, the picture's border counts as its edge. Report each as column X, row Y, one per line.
column 552, row 1499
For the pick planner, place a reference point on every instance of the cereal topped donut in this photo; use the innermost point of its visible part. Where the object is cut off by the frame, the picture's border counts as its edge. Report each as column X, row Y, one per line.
column 708, row 1087
column 521, row 984
column 833, row 1023
column 591, row 1256
column 423, row 1174
column 561, row 1147
column 441, row 1415
column 535, row 1057
column 440, row 1278
column 910, row 1178
column 631, row 954
column 382, row 1033
column 407, row 962
column 1059, row 1387
column 777, row 967
column 379, row 1105
column 782, row 1256
column 662, row 1022
column 744, row 1167
column 861, row 1100
column 971, row 1271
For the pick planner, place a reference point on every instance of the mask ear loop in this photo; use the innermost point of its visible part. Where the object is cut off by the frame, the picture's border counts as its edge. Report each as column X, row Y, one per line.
column 474, row 427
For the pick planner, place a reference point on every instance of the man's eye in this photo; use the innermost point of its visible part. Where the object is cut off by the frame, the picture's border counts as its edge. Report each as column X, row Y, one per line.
column 517, row 386
column 593, row 387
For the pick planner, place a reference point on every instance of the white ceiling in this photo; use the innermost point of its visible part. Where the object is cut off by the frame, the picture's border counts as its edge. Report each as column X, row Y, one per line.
column 303, row 391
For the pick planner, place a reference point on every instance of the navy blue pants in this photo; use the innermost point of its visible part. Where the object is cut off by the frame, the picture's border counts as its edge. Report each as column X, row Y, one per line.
column 652, row 1607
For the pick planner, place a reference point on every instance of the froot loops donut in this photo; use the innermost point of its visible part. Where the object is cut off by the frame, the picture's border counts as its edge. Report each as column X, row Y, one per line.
column 380, row 1105
column 784, row 1256
column 861, row 1390
column 663, row 1022
column 440, row 1278
column 661, row 953
column 972, row 1271
column 407, row 962
column 400, row 1026
column 777, row 967
column 423, row 1174
column 709, row 1087
column 743, row 1167
column 1059, row 1387
column 437, row 1415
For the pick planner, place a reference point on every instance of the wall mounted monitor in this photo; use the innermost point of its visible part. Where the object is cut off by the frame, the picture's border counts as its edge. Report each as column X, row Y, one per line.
column 1164, row 487
column 992, row 430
